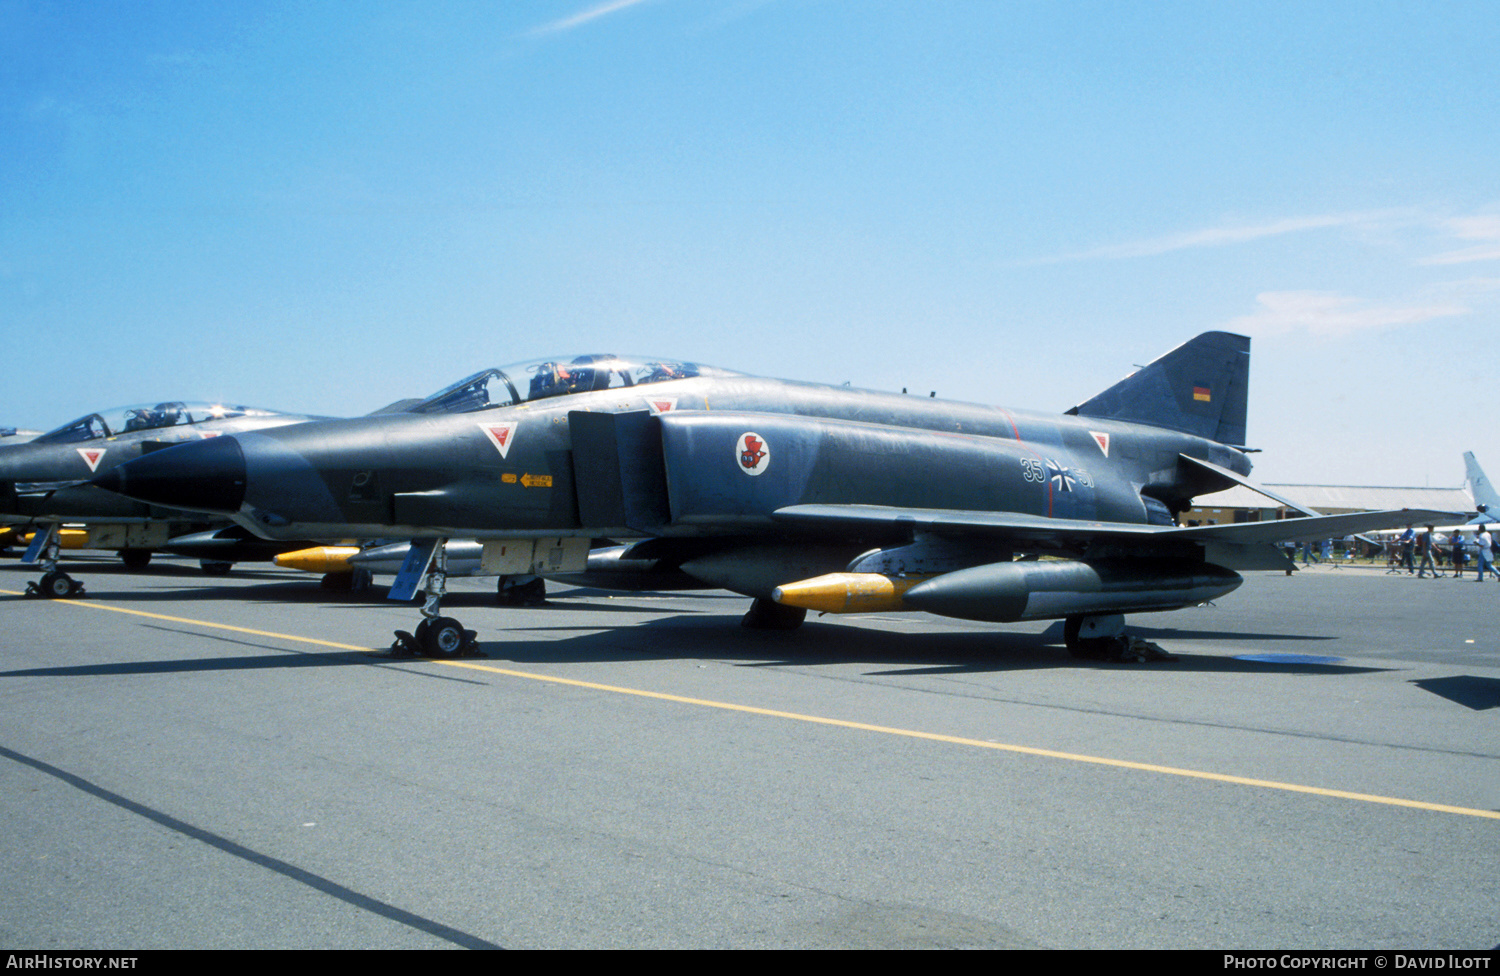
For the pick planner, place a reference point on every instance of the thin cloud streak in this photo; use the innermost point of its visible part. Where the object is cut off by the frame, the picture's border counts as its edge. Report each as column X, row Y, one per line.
column 1483, row 252
column 1212, row 237
column 1481, row 227
column 584, row 17
column 1327, row 314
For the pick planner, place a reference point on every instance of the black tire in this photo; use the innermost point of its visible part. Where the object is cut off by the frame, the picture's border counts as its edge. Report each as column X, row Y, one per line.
column 213, row 567
column 770, row 615
column 55, row 586
column 135, row 558
column 1085, row 648
column 444, row 637
column 512, row 594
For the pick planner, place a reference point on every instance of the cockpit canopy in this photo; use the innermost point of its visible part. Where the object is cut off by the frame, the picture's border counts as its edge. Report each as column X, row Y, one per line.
column 124, row 420
column 525, row 382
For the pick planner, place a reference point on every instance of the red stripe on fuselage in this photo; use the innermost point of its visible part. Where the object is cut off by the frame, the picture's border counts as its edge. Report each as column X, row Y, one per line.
column 1046, row 481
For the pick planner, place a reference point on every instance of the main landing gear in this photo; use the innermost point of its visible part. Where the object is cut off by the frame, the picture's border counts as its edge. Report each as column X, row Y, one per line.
column 436, row 635
column 770, row 615
column 1103, row 638
column 521, row 591
column 54, row 584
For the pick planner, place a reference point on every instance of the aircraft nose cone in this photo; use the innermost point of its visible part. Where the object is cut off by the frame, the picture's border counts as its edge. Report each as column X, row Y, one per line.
column 202, row 476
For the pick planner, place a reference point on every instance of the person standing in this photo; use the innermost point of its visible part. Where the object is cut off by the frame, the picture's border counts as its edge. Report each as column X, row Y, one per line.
column 1486, row 556
column 1408, row 543
column 1425, row 544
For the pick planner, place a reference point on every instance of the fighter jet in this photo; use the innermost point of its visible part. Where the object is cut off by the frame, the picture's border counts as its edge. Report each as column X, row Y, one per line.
column 798, row 495
column 45, row 483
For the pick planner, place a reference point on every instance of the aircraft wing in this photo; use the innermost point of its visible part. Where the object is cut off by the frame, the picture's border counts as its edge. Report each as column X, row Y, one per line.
column 957, row 522
column 1312, row 528
column 1039, row 529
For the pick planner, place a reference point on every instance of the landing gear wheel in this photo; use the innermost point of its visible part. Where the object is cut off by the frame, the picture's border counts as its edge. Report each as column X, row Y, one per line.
column 337, row 582
column 135, row 558
column 436, row 636
column 1088, row 648
column 770, row 615
column 55, row 586
column 213, row 567
column 443, row 637
column 513, row 594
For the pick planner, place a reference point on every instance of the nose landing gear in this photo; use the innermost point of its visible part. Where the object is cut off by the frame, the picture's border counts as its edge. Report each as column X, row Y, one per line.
column 54, row 584
column 436, row 636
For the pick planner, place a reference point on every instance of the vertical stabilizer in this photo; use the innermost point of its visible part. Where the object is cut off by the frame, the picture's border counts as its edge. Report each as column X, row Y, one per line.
column 1485, row 498
column 1201, row 388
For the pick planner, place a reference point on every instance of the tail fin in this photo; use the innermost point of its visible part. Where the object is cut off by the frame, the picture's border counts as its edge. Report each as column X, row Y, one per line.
column 1485, row 497
column 1201, row 388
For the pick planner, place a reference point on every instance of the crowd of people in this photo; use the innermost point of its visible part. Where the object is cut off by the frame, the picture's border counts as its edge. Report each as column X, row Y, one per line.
column 1427, row 553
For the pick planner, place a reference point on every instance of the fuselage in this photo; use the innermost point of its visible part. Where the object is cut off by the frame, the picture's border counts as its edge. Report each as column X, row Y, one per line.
column 706, row 455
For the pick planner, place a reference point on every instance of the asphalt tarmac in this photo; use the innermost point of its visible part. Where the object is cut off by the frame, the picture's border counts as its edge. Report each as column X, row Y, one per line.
column 188, row 762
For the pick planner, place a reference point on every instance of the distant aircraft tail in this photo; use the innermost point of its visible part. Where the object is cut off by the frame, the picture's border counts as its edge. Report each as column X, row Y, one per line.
column 1201, row 387
column 1485, row 497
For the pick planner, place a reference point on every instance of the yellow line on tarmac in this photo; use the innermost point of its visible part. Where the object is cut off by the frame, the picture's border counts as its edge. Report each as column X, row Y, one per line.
column 201, row 623
column 839, row 723
column 983, row 744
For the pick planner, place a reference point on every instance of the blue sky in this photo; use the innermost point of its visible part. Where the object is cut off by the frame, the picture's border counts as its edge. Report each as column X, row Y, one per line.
column 324, row 206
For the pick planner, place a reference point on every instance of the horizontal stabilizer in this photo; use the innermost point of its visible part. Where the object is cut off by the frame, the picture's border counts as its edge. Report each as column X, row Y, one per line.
column 1253, row 486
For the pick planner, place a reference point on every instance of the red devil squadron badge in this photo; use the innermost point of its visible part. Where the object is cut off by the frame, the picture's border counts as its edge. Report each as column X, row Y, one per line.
column 754, row 453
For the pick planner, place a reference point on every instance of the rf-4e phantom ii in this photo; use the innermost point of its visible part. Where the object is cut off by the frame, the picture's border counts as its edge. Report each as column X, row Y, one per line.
column 44, row 484
column 800, row 496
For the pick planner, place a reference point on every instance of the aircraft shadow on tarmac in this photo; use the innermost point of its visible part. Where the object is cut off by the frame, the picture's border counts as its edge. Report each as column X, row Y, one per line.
column 717, row 636
column 720, row 637
column 1470, row 691
column 89, row 566
column 192, row 585
column 683, row 632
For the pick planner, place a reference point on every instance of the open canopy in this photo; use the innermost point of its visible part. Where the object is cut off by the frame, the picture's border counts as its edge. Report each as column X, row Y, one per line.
column 537, row 380
column 123, row 420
